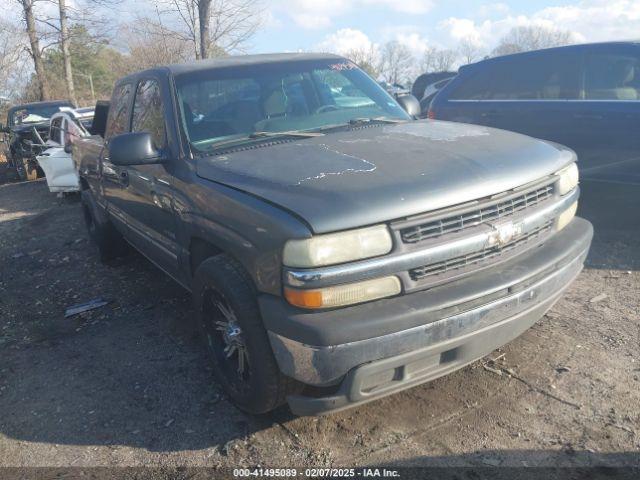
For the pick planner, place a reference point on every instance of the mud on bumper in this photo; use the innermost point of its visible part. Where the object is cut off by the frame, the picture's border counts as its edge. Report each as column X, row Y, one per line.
column 510, row 299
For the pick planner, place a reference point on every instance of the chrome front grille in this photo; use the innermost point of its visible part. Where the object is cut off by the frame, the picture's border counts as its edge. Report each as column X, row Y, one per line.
column 438, row 261
column 488, row 211
column 473, row 259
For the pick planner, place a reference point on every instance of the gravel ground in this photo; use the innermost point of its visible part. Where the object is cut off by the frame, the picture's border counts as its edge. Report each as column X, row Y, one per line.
column 127, row 384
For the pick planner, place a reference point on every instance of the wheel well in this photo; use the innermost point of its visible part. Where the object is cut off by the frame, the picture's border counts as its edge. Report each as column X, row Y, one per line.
column 199, row 251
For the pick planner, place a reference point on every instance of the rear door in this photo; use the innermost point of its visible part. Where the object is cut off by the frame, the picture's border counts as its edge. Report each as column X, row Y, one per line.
column 609, row 112
column 529, row 93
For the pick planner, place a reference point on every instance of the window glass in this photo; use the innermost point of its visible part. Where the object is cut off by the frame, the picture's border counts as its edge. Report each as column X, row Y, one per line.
column 336, row 89
column 217, row 108
column 56, row 130
column 544, row 77
column 278, row 97
column 72, row 132
column 612, row 77
column 35, row 113
column 147, row 112
column 118, row 120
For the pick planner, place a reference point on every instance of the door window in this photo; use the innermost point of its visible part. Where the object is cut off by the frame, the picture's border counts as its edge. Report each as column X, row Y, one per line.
column 612, row 77
column 148, row 113
column 72, row 132
column 56, row 130
column 118, row 120
column 543, row 77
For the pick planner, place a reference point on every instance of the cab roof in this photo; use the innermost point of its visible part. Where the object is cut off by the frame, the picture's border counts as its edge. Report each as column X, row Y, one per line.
column 234, row 61
column 40, row 104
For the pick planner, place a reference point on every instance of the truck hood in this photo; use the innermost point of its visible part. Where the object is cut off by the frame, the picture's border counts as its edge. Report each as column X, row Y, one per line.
column 373, row 174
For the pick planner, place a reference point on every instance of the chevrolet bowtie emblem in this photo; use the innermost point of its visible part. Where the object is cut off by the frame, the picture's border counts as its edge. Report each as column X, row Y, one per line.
column 504, row 233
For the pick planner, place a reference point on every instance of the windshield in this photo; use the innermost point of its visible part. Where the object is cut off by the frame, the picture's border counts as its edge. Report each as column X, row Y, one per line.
column 34, row 113
column 221, row 104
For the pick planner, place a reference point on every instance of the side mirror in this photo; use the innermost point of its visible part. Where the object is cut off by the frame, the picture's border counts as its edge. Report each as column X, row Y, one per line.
column 68, row 148
column 133, row 149
column 410, row 104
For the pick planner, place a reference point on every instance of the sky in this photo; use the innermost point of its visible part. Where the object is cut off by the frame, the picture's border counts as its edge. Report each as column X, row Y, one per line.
column 342, row 25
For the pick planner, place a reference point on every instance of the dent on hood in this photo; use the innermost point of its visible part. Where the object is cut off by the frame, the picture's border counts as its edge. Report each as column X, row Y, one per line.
column 438, row 131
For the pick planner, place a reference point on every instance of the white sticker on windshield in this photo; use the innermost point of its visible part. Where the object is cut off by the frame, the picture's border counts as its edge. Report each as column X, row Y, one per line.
column 343, row 66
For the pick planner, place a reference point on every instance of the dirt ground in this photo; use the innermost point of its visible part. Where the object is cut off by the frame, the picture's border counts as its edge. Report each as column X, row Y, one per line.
column 127, row 384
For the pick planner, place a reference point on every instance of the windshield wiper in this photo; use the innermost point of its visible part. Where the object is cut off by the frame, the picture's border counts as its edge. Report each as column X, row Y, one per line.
column 261, row 135
column 354, row 122
column 365, row 120
column 290, row 133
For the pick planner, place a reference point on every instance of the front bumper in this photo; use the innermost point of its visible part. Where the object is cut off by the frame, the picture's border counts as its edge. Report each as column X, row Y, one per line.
column 375, row 349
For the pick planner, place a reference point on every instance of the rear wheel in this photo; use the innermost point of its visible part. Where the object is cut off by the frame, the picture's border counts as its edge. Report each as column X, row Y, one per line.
column 103, row 234
column 229, row 320
column 20, row 170
column 31, row 173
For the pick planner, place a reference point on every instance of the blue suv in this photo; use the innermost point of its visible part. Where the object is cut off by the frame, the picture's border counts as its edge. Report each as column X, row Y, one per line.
column 584, row 96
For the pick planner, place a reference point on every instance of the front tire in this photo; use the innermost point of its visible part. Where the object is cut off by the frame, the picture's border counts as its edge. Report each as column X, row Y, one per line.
column 229, row 319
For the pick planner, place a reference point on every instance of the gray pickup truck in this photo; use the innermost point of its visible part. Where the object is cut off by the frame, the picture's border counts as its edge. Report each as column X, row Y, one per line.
column 337, row 249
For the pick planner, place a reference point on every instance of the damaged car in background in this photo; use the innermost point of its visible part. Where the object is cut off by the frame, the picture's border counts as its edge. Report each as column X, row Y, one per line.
column 26, row 130
column 337, row 252
column 56, row 161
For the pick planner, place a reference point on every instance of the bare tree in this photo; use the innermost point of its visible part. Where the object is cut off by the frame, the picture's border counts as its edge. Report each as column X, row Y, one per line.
column 532, row 37
column 437, row 60
column 66, row 54
column 13, row 48
column 46, row 30
column 366, row 59
column 152, row 44
column 204, row 22
column 396, row 62
column 214, row 27
column 428, row 59
column 28, row 15
column 469, row 51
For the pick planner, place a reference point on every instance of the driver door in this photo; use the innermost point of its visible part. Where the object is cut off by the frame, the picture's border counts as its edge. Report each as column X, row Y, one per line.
column 149, row 188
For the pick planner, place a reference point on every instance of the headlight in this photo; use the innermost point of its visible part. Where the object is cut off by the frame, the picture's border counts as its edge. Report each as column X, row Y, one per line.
column 340, row 247
column 565, row 217
column 568, row 179
column 341, row 295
